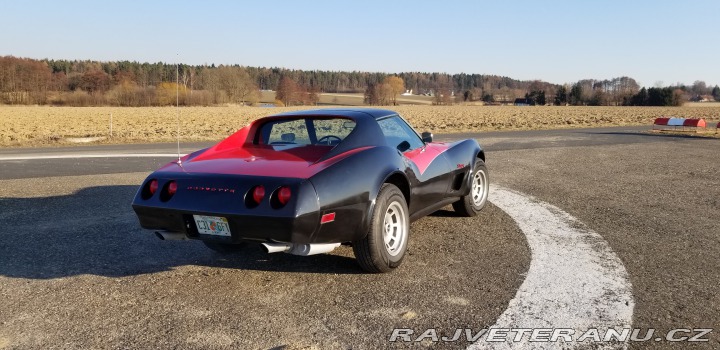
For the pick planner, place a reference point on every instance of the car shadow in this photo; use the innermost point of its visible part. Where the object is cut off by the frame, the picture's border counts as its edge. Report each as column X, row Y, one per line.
column 442, row 213
column 658, row 134
column 94, row 231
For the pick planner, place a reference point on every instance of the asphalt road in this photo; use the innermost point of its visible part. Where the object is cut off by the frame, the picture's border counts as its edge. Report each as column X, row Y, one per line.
column 13, row 168
column 77, row 272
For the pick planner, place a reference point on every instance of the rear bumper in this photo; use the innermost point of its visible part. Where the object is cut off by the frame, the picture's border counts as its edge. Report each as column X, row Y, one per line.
column 242, row 227
column 226, row 196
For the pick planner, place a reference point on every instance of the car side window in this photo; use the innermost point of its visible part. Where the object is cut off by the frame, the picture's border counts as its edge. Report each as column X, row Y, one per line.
column 399, row 134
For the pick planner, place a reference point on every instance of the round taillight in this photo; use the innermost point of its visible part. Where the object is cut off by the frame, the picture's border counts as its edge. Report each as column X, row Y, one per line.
column 258, row 194
column 153, row 186
column 172, row 188
column 284, row 195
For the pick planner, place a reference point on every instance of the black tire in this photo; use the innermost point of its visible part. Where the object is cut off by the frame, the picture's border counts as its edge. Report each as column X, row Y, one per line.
column 469, row 205
column 225, row 248
column 390, row 218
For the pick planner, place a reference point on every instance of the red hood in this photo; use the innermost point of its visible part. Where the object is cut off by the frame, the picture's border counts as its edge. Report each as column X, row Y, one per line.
column 296, row 162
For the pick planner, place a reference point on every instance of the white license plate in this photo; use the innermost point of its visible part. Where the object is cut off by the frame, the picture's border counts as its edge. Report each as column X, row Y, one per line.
column 212, row 225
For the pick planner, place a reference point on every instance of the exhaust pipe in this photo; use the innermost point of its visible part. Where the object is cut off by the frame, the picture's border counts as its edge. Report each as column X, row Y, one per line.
column 170, row 236
column 276, row 247
column 300, row 249
column 312, row 249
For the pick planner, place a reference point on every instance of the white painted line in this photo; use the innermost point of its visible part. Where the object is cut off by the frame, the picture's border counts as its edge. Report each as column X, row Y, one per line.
column 574, row 280
column 101, row 155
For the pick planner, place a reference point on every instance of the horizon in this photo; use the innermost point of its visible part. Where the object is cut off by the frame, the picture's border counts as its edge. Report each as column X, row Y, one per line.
column 388, row 73
column 403, row 37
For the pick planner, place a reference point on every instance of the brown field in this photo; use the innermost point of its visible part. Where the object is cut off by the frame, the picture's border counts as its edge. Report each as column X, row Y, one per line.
column 48, row 126
column 702, row 104
column 351, row 99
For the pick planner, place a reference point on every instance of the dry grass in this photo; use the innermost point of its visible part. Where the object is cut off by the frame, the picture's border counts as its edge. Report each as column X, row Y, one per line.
column 46, row 126
column 702, row 104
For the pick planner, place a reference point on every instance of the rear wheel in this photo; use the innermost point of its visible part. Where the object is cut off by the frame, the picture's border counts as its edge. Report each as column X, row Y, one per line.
column 473, row 202
column 384, row 247
column 224, row 248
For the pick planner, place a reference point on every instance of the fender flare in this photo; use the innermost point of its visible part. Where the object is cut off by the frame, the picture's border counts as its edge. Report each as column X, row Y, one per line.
column 395, row 174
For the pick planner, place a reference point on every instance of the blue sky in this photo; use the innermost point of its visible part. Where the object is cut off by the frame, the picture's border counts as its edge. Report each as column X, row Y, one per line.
column 557, row 41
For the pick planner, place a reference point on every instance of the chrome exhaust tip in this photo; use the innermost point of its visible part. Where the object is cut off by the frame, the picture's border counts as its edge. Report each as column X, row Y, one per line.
column 170, row 236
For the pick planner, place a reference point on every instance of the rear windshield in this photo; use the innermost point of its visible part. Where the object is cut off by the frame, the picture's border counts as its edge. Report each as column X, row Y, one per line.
column 305, row 131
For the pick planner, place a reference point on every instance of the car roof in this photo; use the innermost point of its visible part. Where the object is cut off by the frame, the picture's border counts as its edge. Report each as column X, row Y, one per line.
column 353, row 113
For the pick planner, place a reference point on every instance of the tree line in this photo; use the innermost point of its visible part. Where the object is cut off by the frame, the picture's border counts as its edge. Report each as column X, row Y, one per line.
column 623, row 91
column 126, row 83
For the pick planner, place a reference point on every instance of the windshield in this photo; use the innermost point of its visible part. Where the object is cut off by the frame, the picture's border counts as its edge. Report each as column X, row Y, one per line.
column 305, row 131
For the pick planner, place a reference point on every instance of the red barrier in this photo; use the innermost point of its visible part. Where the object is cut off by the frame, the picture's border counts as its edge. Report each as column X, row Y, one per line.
column 661, row 121
column 697, row 123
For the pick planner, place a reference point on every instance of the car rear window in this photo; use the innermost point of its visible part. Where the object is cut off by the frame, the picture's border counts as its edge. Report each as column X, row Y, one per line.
column 305, row 131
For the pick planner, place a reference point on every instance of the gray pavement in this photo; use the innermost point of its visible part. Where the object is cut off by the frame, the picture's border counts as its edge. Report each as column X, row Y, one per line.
column 491, row 141
column 77, row 272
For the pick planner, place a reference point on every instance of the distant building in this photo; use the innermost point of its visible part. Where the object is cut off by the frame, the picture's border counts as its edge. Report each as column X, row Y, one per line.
column 706, row 98
column 502, row 98
column 702, row 98
column 521, row 102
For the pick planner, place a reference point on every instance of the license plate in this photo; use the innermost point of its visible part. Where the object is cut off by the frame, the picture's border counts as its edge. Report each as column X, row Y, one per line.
column 212, row 225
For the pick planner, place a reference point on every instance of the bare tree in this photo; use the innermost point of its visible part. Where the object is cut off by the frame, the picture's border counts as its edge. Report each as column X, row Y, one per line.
column 237, row 84
column 700, row 88
column 286, row 91
column 443, row 90
column 209, row 80
column 396, row 86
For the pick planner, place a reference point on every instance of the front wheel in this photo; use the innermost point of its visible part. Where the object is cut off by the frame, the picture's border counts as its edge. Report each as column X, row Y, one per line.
column 384, row 247
column 473, row 202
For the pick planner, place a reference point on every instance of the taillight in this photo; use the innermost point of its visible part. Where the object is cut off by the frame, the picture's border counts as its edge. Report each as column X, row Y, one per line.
column 153, row 187
column 258, row 194
column 255, row 196
column 283, row 195
column 149, row 189
column 172, row 188
column 280, row 197
column 168, row 191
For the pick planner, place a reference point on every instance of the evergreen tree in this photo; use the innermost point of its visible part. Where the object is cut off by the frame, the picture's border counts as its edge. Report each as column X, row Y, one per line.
column 561, row 96
column 640, row 99
column 576, row 95
column 536, row 97
column 541, row 98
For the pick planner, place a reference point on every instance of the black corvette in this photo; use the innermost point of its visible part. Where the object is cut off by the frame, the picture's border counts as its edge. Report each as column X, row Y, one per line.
column 306, row 182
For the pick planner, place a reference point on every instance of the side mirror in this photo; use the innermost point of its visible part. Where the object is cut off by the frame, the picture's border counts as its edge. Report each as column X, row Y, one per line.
column 403, row 146
column 427, row 137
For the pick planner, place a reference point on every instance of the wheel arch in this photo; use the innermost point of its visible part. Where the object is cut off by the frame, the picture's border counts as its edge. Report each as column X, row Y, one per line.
column 400, row 181
column 396, row 178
